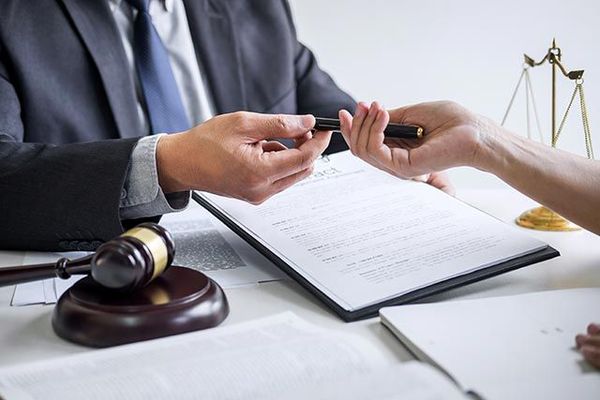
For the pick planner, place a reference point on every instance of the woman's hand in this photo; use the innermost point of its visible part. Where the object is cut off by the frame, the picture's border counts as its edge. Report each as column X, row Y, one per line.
column 453, row 137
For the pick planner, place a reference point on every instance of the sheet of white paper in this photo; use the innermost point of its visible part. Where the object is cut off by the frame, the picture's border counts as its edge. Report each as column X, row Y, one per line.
column 49, row 290
column 272, row 358
column 362, row 236
column 408, row 381
column 61, row 286
column 203, row 243
column 514, row 347
column 29, row 293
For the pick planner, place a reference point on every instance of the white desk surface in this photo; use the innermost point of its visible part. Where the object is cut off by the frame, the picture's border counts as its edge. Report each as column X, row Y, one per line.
column 26, row 333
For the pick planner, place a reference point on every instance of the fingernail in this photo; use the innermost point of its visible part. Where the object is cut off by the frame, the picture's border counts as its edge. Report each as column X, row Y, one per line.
column 360, row 110
column 344, row 114
column 373, row 110
column 307, row 121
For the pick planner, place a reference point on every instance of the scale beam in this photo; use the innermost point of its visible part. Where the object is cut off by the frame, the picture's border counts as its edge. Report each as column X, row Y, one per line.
column 553, row 57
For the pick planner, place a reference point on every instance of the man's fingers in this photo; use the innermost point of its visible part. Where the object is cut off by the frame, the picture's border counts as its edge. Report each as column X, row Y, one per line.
column 279, row 186
column 284, row 183
column 284, row 163
column 289, row 166
column 272, row 145
column 265, row 126
column 302, row 139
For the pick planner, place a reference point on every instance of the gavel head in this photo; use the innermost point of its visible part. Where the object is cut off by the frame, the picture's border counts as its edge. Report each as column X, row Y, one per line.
column 135, row 258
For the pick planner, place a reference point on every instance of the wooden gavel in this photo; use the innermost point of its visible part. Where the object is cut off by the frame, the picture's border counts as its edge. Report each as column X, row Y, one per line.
column 126, row 263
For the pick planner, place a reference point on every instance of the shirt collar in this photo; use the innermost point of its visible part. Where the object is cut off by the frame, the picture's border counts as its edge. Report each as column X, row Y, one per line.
column 167, row 4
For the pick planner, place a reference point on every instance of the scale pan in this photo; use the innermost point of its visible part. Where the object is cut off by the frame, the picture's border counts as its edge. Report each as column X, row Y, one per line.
column 544, row 219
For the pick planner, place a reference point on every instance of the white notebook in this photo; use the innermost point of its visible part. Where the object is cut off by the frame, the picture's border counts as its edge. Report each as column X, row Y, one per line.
column 359, row 238
column 279, row 357
column 514, row 347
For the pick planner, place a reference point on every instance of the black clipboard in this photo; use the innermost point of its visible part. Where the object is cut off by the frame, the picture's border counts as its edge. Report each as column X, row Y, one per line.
column 543, row 254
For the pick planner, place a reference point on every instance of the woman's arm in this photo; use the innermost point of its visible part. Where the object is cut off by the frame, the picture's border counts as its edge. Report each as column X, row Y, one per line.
column 566, row 183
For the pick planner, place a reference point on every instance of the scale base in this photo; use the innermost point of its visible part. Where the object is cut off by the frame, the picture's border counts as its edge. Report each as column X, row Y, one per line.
column 180, row 300
column 544, row 219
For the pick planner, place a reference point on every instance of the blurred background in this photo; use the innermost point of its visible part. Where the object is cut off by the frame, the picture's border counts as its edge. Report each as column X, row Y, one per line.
column 401, row 52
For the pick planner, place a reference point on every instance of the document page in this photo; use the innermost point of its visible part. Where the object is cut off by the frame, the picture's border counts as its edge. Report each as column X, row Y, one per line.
column 362, row 236
column 46, row 291
column 513, row 347
column 272, row 358
column 203, row 243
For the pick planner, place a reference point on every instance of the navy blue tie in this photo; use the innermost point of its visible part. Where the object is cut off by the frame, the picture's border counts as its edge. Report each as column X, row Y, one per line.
column 163, row 102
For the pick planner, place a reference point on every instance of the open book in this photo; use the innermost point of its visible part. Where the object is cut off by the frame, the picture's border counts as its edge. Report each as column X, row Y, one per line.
column 513, row 347
column 361, row 239
column 279, row 357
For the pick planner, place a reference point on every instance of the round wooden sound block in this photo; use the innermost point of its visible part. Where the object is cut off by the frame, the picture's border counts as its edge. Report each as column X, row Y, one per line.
column 180, row 300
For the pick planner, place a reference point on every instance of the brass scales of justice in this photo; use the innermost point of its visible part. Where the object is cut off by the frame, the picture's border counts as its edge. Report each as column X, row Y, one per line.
column 542, row 218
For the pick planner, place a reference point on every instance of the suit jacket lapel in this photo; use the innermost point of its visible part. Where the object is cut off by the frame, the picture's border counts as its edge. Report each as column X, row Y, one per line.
column 217, row 50
column 95, row 24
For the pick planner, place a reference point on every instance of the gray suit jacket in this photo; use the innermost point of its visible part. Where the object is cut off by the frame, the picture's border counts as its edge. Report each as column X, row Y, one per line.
column 68, row 121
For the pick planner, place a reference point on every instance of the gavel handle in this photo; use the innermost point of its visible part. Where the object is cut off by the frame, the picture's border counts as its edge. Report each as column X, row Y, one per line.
column 62, row 268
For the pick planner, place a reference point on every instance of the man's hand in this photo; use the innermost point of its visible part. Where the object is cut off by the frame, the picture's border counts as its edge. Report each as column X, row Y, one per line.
column 589, row 344
column 234, row 155
column 452, row 138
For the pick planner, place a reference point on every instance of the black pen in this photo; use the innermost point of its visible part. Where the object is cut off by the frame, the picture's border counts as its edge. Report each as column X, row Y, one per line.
column 391, row 130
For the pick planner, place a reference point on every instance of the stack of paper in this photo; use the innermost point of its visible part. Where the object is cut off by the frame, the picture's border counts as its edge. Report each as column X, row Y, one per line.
column 279, row 357
column 516, row 347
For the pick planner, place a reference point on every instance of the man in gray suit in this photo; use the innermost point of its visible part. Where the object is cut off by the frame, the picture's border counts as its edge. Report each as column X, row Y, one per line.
column 107, row 106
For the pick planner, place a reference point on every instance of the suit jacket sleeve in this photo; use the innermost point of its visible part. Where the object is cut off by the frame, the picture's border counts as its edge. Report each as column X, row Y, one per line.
column 62, row 197
column 317, row 93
